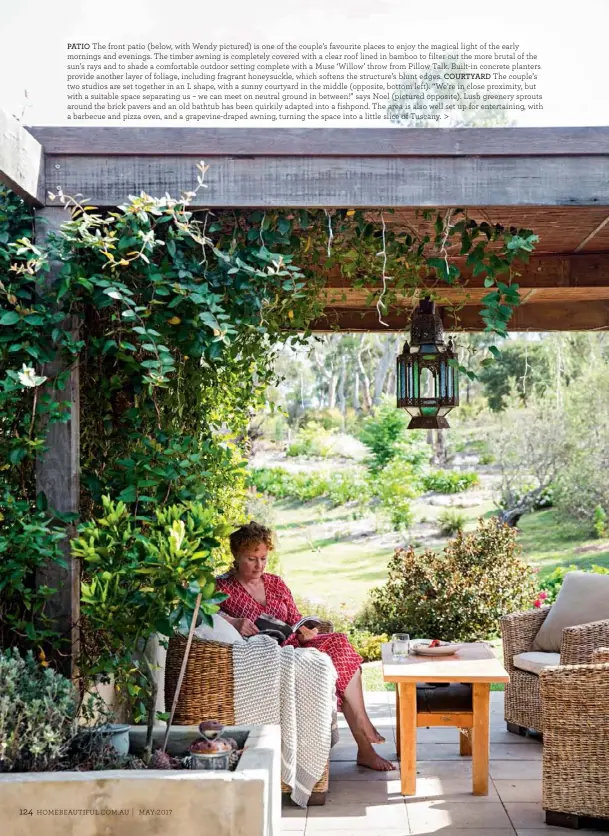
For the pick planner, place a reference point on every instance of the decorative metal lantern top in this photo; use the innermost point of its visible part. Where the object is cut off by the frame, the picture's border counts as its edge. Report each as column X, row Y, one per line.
column 427, row 384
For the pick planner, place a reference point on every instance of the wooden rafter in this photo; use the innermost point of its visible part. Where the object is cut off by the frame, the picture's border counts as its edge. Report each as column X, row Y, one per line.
column 21, row 160
column 551, row 316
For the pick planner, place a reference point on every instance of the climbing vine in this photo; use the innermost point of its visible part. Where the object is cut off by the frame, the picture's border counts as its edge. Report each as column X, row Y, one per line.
column 174, row 317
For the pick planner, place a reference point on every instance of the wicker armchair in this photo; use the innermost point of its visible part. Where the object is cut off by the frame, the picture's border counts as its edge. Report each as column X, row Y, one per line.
column 522, row 693
column 575, row 708
column 208, row 690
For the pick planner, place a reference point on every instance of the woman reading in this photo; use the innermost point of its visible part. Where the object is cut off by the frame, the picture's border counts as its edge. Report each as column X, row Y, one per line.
column 253, row 592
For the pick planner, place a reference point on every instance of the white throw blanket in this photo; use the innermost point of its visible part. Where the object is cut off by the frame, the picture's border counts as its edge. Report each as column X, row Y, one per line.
column 296, row 688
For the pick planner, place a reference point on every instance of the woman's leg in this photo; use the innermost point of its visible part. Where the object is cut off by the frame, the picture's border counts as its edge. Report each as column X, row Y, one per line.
column 356, row 698
column 360, row 724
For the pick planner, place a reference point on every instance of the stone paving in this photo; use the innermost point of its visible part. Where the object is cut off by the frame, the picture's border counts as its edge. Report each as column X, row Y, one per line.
column 364, row 802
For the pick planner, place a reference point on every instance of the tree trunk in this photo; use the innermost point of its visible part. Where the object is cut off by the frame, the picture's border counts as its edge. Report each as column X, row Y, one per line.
column 356, row 404
column 332, row 390
column 382, row 370
column 341, row 389
column 364, row 376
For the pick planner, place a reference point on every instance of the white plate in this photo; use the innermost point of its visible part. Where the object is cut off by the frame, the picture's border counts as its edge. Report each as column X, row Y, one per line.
column 445, row 649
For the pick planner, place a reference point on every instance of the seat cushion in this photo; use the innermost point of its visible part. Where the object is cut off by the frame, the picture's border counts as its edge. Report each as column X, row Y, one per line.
column 535, row 662
column 222, row 631
column 583, row 597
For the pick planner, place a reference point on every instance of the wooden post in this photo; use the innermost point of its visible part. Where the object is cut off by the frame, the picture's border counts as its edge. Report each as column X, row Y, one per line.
column 58, row 477
column 480, row 743
column 408, row 737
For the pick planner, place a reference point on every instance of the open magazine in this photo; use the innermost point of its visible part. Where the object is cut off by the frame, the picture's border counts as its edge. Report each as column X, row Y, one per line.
column 282, row 631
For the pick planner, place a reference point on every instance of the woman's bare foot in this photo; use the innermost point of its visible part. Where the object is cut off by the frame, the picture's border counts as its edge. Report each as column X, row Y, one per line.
column 366, row 756
column 374, row 736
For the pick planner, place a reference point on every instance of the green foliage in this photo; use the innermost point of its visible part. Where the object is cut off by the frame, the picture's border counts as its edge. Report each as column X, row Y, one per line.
column 553, row 582
column 385, row 435
column 38, row 709
column 524, row 366
column 600, row 522
column 451, row 522
column 175, row 317
column 458, row 595
column 395, row 486
column 339, row 487
column 143, row 577
column 30, row 541
column 367, row 644
column 450, row 481
column 312, row 440
column 583, row 483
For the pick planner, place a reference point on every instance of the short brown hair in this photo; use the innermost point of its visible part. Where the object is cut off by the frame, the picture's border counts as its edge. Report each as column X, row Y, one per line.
column 251, row 534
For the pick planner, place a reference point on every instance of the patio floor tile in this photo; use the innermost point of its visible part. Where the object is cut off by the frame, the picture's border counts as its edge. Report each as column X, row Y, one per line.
column 516, row 770
column 347, row 751
column 544, row 830
column 344, row 792
column 528, row 791
column 525, row 815
column 461, row 768
column 440, row 815
column 434, row 787
column 364, row 801
column 350, row 771
column 515, row 751
column 389, row 817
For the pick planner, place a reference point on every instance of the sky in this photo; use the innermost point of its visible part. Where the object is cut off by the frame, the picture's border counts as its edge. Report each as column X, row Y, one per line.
column 569, row 38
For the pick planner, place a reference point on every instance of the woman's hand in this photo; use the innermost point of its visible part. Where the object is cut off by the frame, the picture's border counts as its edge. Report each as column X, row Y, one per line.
column 305, row 634
column 245, row 626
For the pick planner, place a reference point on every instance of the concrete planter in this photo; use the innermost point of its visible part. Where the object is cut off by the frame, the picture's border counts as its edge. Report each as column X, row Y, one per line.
column 246, row 802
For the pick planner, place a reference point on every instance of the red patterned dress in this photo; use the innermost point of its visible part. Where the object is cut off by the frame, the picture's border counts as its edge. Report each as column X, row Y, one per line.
column 280, row 604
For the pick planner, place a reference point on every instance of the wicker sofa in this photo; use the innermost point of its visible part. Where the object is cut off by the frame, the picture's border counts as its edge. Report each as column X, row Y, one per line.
column 575, row 719
column 208, row 690
column 522, row 694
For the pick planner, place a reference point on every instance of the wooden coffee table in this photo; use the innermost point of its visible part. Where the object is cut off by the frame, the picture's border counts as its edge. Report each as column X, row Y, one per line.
column 465, row 703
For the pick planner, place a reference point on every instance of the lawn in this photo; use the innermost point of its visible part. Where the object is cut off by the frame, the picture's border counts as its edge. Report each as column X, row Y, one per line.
column 325, row 562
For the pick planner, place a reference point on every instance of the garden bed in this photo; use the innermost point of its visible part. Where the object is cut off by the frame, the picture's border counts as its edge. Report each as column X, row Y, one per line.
column 129, row 802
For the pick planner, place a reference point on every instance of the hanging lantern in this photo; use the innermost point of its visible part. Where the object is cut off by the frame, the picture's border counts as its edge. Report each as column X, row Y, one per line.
column 427, row 384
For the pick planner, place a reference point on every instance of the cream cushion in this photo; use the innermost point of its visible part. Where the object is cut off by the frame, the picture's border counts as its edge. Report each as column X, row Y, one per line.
column 583, row 597
column 222, row 631
column 535, row 662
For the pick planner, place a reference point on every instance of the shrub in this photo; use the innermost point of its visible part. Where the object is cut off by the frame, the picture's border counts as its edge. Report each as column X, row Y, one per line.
column 395, row 486
column 457, row 595
column 30, row 540
column 38, row 709
column 339, row 487
column 600, row 522
column 144, row 576
column 367, row 644
column 312, row 440
column 450, row 481
column 386, row 437
column 552, row 584
column 451, row 522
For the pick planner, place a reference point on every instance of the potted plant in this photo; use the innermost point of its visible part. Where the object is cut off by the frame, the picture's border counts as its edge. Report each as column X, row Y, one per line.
column 143, row 576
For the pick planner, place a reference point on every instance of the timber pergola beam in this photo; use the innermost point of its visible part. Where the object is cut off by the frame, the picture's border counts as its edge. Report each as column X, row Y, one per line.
column 333, row 167
column 21, row 161
column 555, row 316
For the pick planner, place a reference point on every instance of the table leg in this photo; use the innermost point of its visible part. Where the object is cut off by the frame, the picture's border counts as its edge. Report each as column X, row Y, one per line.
column 480, row 733
column 465, row 743
column 397, row 720
column 408, row 736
